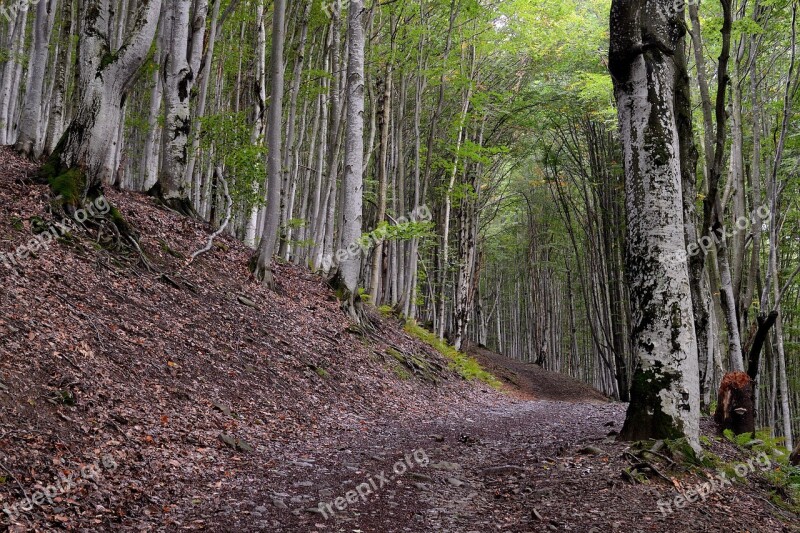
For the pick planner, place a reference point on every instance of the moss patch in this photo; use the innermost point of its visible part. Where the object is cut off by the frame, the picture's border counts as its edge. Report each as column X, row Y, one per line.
column 467, row 367
column 645, row 418
column 70, row 186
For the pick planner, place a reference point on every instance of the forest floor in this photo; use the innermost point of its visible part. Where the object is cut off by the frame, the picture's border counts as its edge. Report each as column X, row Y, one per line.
column 161, row 396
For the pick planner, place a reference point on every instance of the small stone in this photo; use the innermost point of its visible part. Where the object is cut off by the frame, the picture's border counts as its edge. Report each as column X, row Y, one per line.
column 247, row 301
column 503, row 470
column 592, row 450
column 222, row 408
column 455, row 482
column 444, row 465
column 235, row 443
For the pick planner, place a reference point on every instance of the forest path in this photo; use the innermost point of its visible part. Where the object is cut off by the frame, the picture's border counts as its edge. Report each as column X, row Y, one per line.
column 510, row 465
column 530, row 382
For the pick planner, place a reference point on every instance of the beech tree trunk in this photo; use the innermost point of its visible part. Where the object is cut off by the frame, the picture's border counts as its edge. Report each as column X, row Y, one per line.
column 350, row 264
column 266, row 249
column 185, row 31
column 106, row 76
column 55, row 124
column 665, row 399
column 28, row 139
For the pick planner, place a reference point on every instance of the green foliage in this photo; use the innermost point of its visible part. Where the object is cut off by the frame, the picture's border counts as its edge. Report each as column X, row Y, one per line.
column 296, row 223
column 784, row 478
column 386, row 310
column 682, row 452
column 229, row 136
column 404, row 231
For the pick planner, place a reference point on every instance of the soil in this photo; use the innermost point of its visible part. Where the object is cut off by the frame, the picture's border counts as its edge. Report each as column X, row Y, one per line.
column 207, row 402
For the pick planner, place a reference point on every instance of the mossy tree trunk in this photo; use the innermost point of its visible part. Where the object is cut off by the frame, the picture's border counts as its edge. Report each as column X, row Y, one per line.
column 646, row 37
column 79, row 165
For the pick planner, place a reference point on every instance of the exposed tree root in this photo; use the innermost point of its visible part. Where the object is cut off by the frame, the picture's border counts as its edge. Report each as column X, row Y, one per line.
column 228, row 208
column 354, row 306
column 84, row 206
column 262, row 271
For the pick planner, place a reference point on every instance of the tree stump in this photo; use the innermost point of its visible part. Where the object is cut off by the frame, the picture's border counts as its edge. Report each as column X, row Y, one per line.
column 795, row 457
column 735, row 404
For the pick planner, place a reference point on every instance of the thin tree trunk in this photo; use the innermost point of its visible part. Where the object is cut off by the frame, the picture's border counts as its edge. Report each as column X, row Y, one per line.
column 266, row 249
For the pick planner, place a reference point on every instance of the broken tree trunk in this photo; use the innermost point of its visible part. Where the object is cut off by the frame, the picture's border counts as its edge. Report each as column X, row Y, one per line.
column 735, row 405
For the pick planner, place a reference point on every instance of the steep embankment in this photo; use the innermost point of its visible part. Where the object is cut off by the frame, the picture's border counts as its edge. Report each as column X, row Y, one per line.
column 102, row 357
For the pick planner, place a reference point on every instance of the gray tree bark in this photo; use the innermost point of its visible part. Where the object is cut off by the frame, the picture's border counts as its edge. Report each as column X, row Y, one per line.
column 266, row 249
column 665, row 399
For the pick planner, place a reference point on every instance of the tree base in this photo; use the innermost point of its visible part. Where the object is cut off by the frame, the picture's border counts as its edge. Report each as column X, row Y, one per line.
column 794, row 459
column 645, row 418
column 26, row 149
column 353, row 305
column 79, row 200
column 182, row 206
column 262, row 271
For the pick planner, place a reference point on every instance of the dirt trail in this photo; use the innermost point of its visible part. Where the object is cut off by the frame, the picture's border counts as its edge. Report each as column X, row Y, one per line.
column 501, row 464
column 530, row 382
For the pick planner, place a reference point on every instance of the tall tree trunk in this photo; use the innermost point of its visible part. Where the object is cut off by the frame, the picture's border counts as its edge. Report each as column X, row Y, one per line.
column 349, row 266
column 385, row 110
column 29, row 124
column 186, row 26
column 665, row 397
column 55, row 125
column 259, row 110
column 10, row 88
column 266, row 249
column 291, row 145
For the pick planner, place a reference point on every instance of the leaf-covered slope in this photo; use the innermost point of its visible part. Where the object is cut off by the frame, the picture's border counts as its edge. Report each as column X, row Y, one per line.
column 165, row 370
